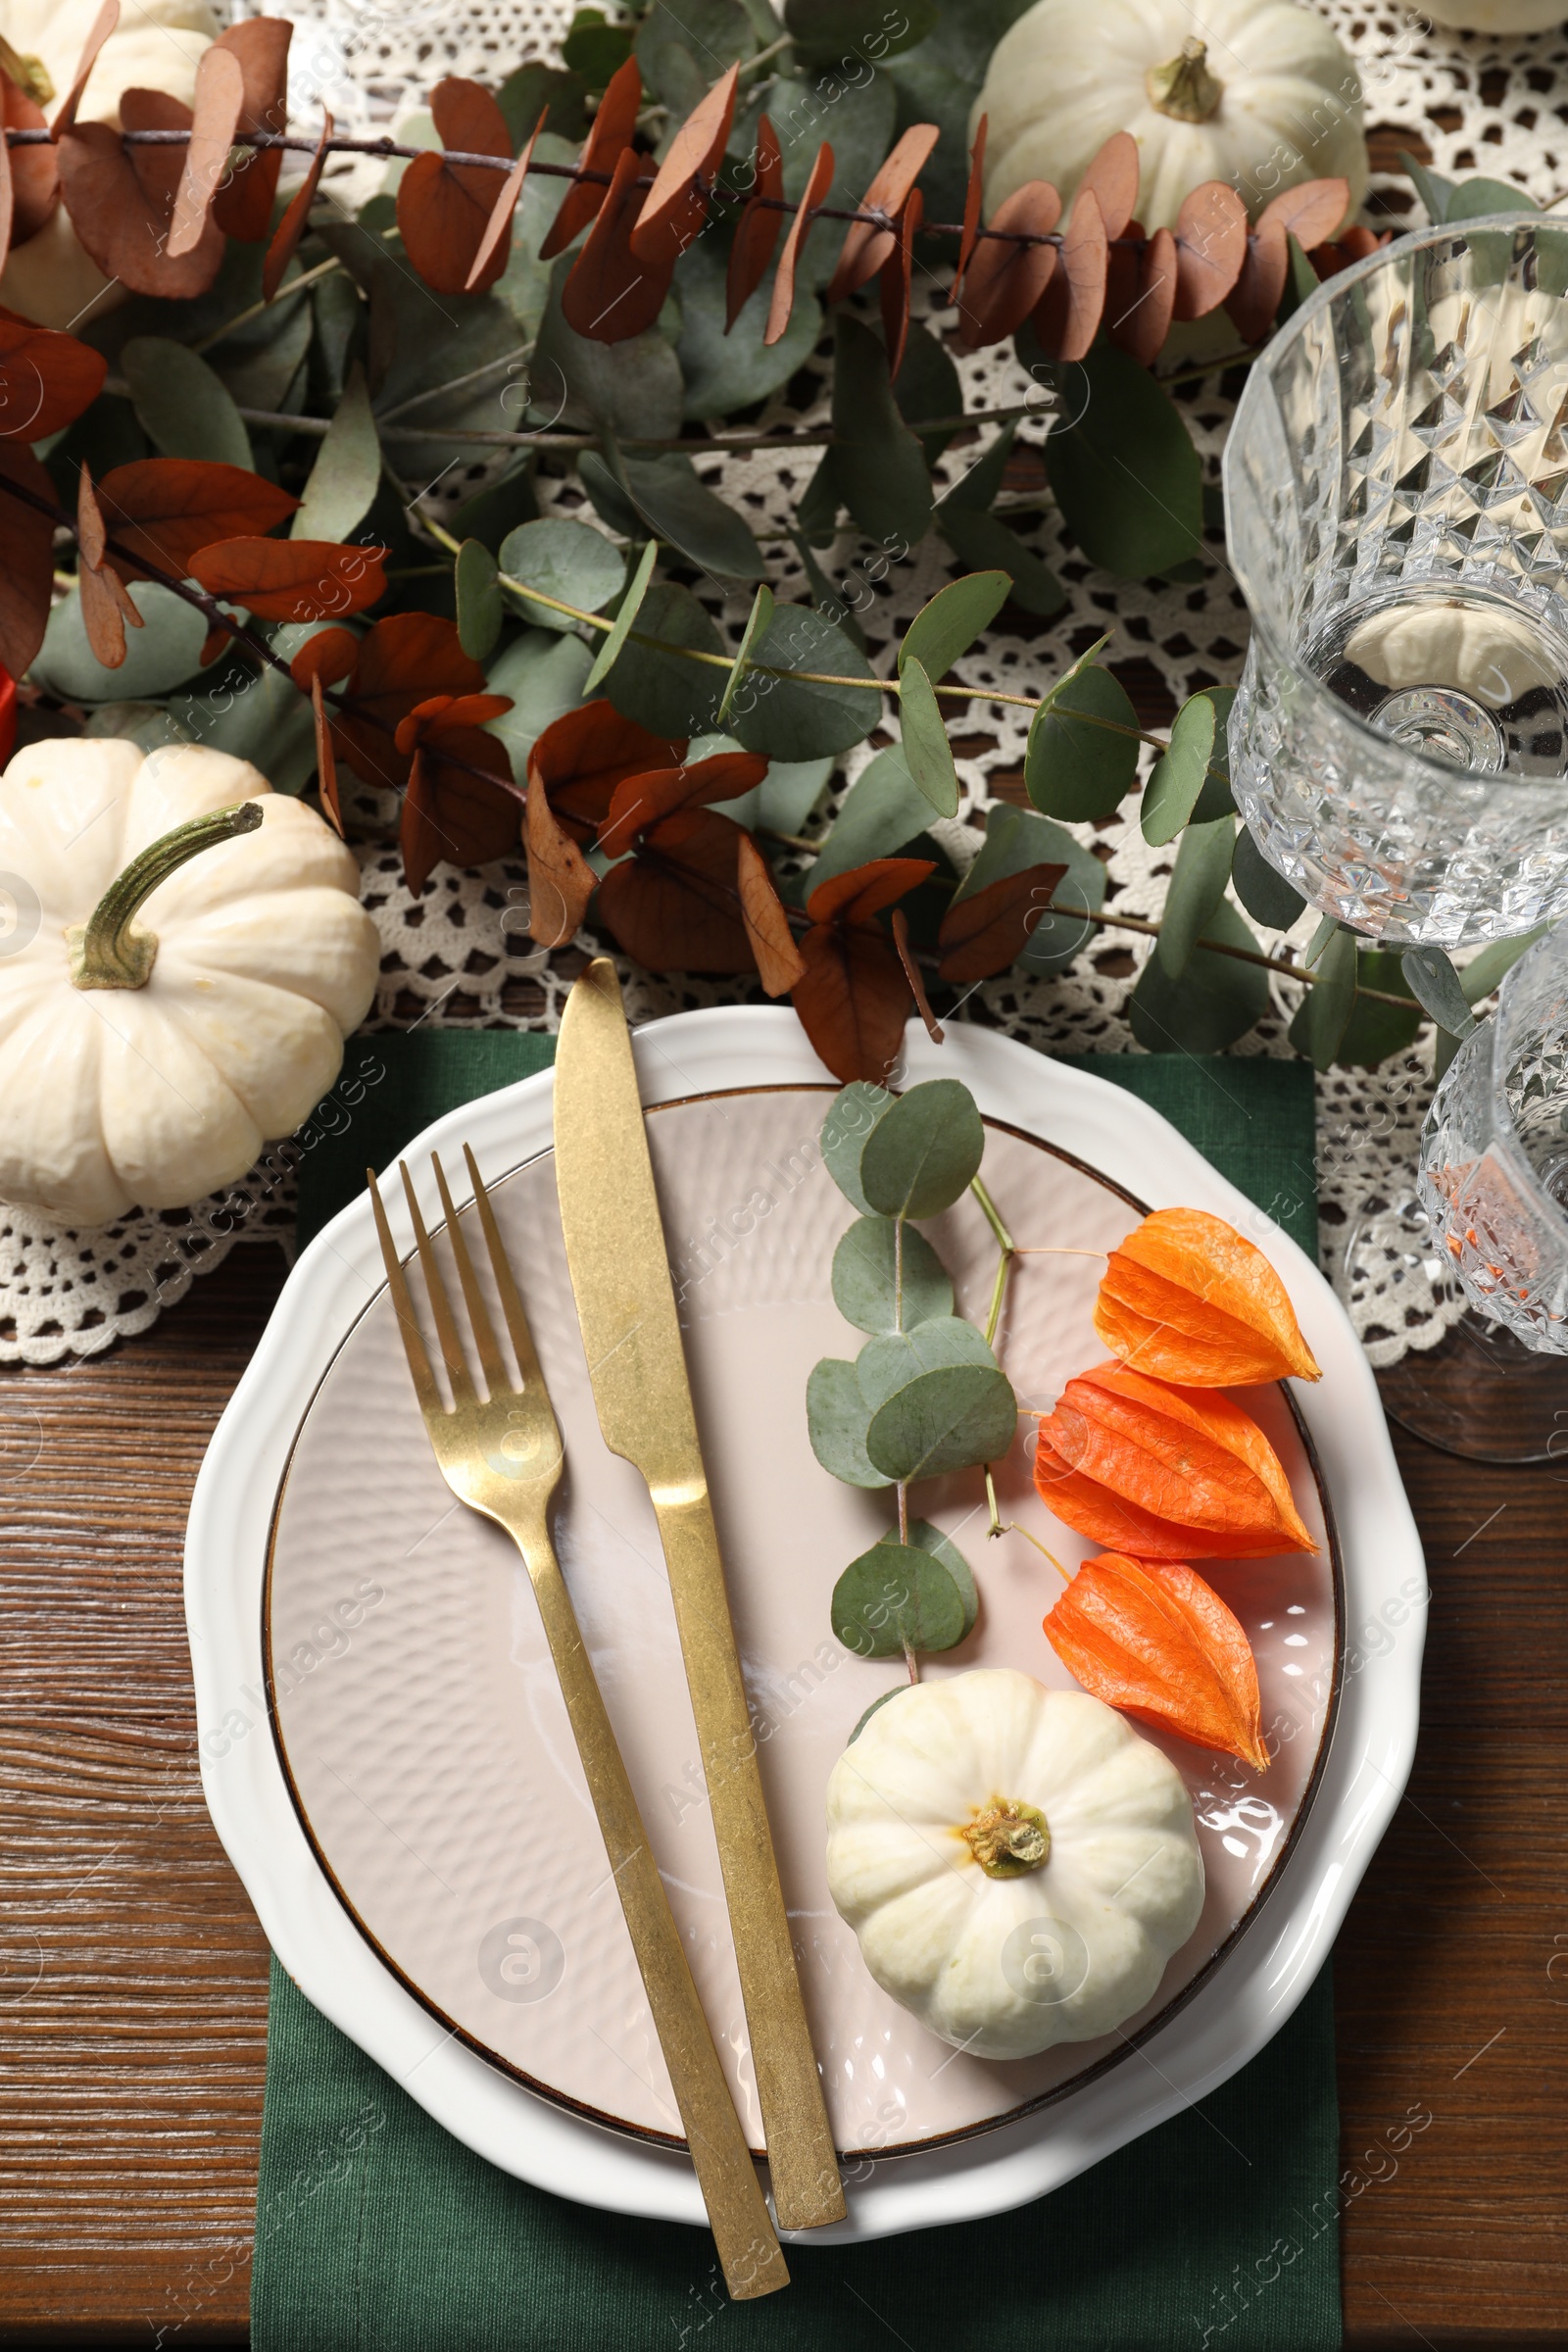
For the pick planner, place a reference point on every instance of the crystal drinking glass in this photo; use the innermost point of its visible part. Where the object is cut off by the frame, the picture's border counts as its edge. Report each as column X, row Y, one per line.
column 1397, row 506
column 1493, row 1183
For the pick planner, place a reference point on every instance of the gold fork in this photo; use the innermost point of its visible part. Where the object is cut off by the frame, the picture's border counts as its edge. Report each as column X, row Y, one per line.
column 502, row 1456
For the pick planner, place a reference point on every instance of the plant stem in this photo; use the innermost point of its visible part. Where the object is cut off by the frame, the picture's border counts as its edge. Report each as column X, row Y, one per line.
column 1004, row 1240
column 1013, row 1528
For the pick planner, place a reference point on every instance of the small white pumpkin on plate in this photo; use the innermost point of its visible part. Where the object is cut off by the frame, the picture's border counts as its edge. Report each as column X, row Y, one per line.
column 1017, row 1863
column 182, row 951
column 1258, row 94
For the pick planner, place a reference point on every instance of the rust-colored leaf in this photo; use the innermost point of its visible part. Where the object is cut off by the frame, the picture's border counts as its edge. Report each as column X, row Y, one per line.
column 26, row 576
column 972, row 209
column 102, row 26
column 581, row 758
column 1152, row 1639
column 868, row 890
column 1142, row 324
column 900, row 927
column 561, row 881
column 7, row 193
column 866, row 248
column 1111, row 177
column 46, row 379
column 609, row 294
column 1353, row 245
column 460, row 805
column 121, row 201
column 1165, row 1473
column 1253, row 302
column 219, row 101
column 34, row 172
column 401, row 661
column 1210, row 248
column 1310, row 212
column 783, row 302
column 853, row 1001
column 757, row 232
column 498, row 225
column 292, row 579
column 243, row 204
column 326, row 761
column 106, row 606
column 676, row 205
column 986, row 932
column 779, row 963
column 291, row 229
column 641, row 799
column 328, row 658
column 1067, row 316
column 436, row 720
column 163, row 510
column 444, row 209
column 675, row 905
column 896, row 281
column 609, row 136
column 1005, row 280
column 1186, row 1298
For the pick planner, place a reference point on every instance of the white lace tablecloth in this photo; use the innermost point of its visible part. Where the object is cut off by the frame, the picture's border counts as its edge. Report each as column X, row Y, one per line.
column 460, row 955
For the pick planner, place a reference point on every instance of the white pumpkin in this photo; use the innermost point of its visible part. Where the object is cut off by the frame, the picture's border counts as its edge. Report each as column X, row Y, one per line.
column 148, row 1052
column 1019, row 1863
column 1271, row 101
column 157, row 45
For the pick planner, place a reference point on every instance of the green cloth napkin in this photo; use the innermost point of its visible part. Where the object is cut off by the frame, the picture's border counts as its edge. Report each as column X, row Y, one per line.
column 378, row 2232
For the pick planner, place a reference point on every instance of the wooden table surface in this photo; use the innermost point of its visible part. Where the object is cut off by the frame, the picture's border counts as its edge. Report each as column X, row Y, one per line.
column 133, row 1974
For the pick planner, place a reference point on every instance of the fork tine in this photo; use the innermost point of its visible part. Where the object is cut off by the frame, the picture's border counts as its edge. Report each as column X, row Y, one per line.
column 425, row 1388
column 501, row 1265
column 440, row 1305
column 498, row 1380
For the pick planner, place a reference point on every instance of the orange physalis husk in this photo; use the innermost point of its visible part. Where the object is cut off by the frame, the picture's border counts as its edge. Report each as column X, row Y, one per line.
column 1153, row 1639
column 1186, row 1298
column 1165, row 1473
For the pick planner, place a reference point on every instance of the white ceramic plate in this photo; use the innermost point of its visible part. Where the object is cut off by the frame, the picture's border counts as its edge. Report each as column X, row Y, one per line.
column 413, row 1827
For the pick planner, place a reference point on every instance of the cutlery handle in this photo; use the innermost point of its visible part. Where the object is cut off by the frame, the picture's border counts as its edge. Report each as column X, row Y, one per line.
column 749, row 2251
column 801, row 2161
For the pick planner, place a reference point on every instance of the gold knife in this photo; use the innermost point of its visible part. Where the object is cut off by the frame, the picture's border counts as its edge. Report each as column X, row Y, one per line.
column 619, row 1264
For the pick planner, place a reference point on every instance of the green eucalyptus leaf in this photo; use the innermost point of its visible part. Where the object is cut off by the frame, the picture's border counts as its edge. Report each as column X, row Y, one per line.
column 878, row 464
column 564, row 560
column 976, row 491
column 987, row 541
column 480, row 608
column 1217, row 1000
column 181, row 403
column 662, row 692
column 347, row 473
column 927, row 752
column 668, row 499
column 1126, row 477
column 1197, row 886
column 1443, row 1049
column 939, row 82
column 883, row 811
column 944, row 1408
column 929, row 384
column 790, row 719
column 954, row 618
column 1178, row 777
column 1215, row 799
column 533, row 90
column 868, row 28
column 545, row 675
column 492, row 514
column 854, row 110
column 725, row 371
column 942, row 1548
column 837, row 1418
column 595, row 48
column 1324, row 1014
column 1374, row 1031
column 1435, row 985
column 1474, row 199
column 632, row 389
column 162, row 653
column 628, row 614
column 1073, row 766
column 871, row 1290
column 256, row 714
column 894, row 1598
column 888, row 1364
column 784, row 798
column 1262, row 890
column 817, row 513
column 852, row 1117
column 1302, row 280
column 523, row 287
column 1490, row 966
column 1432, row 189
column 922, row 1154
column 757, row 625
column 680, row 52
column 337, row 314
column 1015, row 840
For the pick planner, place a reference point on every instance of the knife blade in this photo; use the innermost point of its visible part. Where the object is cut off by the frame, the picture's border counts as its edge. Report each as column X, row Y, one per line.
column 620, row 1265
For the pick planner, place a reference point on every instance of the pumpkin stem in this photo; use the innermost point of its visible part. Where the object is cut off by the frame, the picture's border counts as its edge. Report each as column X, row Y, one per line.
column 1183, row 89
column 105, row 952
column 1008, row 1838
column 29, row 73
